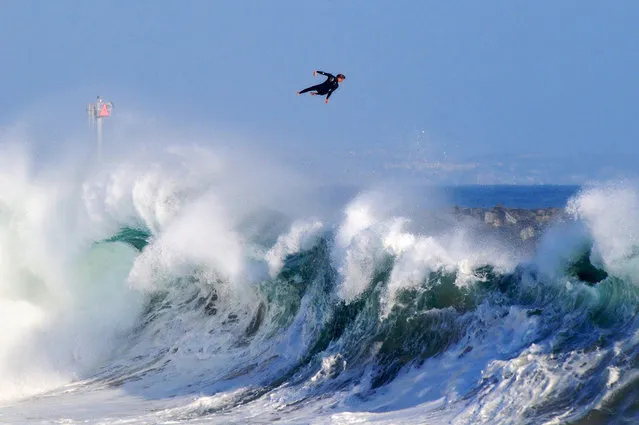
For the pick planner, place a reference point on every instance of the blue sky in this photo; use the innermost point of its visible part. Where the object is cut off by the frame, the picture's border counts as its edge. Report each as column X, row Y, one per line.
column 440, row 92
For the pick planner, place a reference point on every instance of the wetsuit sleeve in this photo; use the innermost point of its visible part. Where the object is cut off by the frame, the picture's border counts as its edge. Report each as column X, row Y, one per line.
column 330, row 92
column 326, row 74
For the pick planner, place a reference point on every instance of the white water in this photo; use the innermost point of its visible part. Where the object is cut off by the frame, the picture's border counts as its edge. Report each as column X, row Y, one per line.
column 70, row 309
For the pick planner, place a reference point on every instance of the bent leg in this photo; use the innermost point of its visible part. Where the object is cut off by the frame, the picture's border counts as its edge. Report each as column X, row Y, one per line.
column 309, row 89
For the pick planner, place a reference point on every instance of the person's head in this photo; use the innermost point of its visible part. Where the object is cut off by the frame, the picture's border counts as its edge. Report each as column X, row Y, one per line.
column 340, row 78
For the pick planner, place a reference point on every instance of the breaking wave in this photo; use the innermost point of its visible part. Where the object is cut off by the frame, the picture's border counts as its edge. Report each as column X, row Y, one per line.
column 185, row 282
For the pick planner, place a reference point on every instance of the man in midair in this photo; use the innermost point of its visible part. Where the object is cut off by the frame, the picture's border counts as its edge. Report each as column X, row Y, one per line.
column 327, row 87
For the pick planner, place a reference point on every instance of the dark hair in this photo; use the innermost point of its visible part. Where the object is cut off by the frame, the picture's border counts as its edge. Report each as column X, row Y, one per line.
column 341, row 76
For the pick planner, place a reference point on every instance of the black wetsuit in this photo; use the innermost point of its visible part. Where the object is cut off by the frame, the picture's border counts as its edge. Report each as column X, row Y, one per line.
column 326, row 88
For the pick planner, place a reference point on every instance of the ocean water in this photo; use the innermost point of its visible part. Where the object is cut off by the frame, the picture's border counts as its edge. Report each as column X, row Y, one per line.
column 189, row 289
column 531, row 197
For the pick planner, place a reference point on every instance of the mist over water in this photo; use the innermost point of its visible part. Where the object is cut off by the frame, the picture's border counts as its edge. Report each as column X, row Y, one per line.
column 197, row 283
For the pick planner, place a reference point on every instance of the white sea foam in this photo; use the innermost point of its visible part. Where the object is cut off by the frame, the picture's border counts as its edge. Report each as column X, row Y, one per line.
column 203, row 321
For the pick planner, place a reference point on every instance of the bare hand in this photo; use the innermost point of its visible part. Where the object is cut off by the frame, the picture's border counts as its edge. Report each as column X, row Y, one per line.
column 326, row 101
column 314, row 73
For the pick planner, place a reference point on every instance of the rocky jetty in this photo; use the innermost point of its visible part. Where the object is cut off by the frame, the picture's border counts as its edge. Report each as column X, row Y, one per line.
column 525, row 224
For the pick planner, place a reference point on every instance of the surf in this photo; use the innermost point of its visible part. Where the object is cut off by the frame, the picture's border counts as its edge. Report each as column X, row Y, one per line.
column 187, row 281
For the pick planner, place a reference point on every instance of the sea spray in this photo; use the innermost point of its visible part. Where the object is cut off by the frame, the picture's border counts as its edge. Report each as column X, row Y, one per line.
column 153, row 284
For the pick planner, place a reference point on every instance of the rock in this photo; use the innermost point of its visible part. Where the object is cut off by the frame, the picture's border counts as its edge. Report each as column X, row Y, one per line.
column 527, row 233
column 523, row 224
column 510, row 218
column 491, row 217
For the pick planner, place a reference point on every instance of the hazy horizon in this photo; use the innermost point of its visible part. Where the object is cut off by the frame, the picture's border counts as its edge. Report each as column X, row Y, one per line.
column 445, row 94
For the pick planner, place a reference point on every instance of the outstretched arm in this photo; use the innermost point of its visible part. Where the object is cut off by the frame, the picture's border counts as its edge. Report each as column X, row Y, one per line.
column 330, row 92
column 323, row 73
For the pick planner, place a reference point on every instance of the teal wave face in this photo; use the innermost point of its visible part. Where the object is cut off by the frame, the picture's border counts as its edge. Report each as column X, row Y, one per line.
column 495, row 317
column 136, row 237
